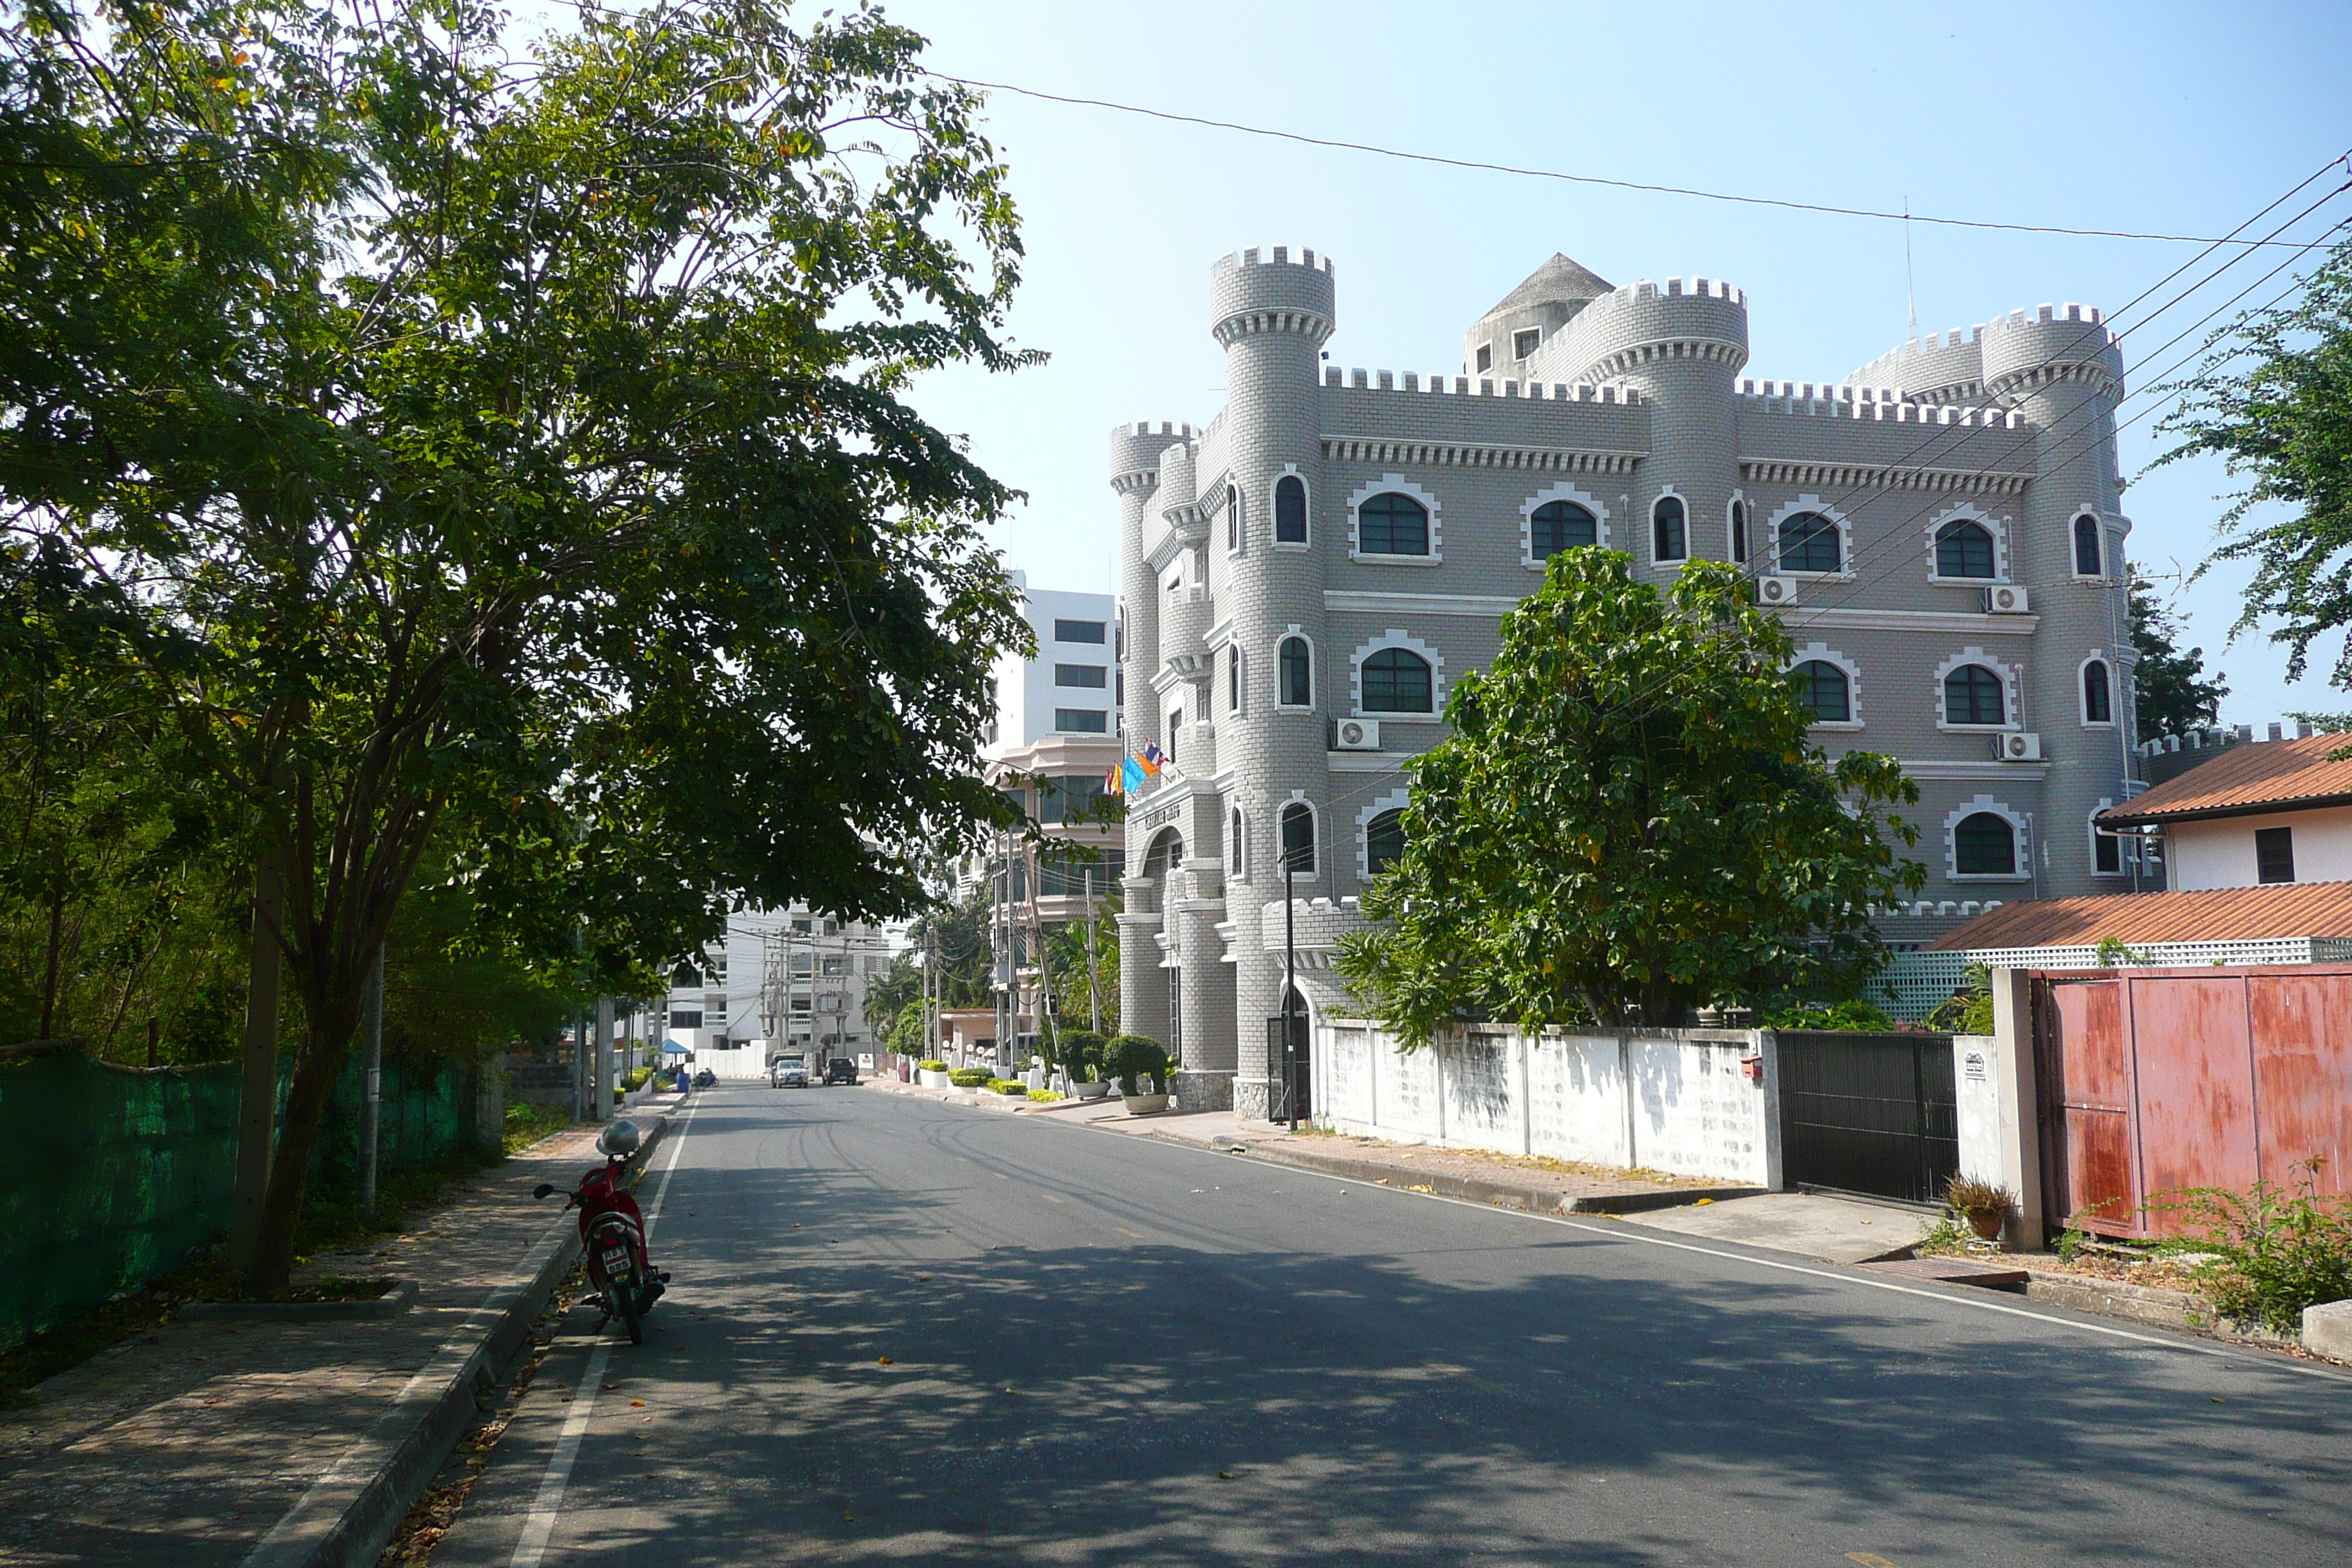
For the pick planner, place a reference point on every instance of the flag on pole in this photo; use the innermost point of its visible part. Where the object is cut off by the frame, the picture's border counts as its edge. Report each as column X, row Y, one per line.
column 1130, row 773
column 1111, row 780
column 1154, row 757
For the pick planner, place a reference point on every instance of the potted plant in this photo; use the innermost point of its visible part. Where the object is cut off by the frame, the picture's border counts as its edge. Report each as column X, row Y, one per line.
column 1082, row 1057
column 931, row 1074
column 1132, row 1060
column 1986, row 1205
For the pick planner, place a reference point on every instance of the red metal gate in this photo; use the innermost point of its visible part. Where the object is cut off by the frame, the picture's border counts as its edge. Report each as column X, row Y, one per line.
column 2155, row 1080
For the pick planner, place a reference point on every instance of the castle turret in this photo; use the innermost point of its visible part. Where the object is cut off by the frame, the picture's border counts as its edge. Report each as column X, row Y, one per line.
column 1271, row 312
column 2062, row 368
column 1681, row 348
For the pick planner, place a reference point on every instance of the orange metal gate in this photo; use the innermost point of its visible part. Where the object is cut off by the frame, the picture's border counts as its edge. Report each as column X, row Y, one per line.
column 2153, row 1081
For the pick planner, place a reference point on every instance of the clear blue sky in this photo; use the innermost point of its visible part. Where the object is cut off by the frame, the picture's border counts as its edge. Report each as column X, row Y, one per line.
column 2173, row 118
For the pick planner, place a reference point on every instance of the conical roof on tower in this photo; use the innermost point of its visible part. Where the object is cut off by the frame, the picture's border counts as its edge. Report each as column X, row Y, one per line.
column 1560, row 281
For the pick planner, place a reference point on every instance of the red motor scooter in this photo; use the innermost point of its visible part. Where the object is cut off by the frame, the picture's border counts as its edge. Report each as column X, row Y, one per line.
column 613, row 1234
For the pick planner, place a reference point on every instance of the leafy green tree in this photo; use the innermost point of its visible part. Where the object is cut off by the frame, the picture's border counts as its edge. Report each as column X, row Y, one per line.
column 2170, row 693
column 2274, row 399
column 517, row 460
column 1065, row 946
column 1629, row 818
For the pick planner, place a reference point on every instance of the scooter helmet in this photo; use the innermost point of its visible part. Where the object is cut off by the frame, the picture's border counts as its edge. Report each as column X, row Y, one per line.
column 620, row 1140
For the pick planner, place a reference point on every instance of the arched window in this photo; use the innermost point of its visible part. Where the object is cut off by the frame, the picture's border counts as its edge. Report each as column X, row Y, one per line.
column 1383, row 841
column 1559, row 525
column 1236, row 841
column 1739, row 531
column 1397, row 680
column 1290, row 509
column 1297, row 674
column 1822, row 688
column 1234, row 678
column 1984, row 845
column 1392, row 525
column 1972, row 696
column 1298, row 837
column 1809, row 543
column 1963, row 549
column 1669, row 530
column 2098, row 704
column 1233, row 517
column 2087, row 562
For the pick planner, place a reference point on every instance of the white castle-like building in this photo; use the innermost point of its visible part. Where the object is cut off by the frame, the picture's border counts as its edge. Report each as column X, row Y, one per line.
column 1307, row 576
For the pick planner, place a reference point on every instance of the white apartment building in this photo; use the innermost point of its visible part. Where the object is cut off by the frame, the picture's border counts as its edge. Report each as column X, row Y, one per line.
column 782, row 978
column 1072, row 688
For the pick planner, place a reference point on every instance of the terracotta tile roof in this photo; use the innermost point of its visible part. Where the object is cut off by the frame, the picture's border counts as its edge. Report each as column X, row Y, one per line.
column 2213, row 914
column 2265, row 776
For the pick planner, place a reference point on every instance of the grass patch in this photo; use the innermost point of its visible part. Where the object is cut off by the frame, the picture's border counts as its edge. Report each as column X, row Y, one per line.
column 527, row 1124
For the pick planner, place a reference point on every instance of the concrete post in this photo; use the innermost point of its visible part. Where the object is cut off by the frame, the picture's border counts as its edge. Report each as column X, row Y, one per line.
column 2021, row 1105
column 604, row 1058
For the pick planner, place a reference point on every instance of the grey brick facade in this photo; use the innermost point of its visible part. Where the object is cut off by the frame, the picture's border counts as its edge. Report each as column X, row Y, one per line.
column 1611, row 401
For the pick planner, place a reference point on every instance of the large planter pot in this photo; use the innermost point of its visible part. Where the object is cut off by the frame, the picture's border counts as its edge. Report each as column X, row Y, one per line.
column 1099, row 1088
column 1986, row 1223
column 1144, row 1104
column 932, row 1079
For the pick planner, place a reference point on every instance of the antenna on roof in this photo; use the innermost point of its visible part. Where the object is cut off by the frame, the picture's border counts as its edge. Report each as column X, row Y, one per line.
column 1910, row 297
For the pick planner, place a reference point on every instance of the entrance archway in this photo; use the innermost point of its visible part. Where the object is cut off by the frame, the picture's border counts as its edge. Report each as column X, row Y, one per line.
column 1289, row 1073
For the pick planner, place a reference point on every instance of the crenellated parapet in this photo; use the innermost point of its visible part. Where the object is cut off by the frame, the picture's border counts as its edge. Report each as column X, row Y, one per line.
column 2000, row 360
column 1252, row 293
column 1644, row 325
column 2024, row 353
column 1136, row 450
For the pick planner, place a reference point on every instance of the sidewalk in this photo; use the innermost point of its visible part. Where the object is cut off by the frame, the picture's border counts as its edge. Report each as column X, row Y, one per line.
column 205, row 1441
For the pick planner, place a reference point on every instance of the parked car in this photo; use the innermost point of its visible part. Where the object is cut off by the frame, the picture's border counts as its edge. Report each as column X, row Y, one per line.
column 841, row 1069
column 789, row 1072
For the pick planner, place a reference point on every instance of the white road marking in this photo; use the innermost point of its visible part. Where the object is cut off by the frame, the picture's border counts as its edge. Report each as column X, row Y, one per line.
column 539, row 1524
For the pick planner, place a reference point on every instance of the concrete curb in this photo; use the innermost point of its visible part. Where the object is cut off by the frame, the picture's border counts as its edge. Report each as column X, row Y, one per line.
column 346, row 1517
column 1541, row 1200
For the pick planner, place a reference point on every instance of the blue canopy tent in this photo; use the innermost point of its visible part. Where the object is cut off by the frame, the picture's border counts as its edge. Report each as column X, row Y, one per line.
column 672, row 1048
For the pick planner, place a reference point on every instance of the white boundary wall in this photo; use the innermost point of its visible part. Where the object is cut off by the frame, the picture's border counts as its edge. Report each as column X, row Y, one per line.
column 1662, row 1100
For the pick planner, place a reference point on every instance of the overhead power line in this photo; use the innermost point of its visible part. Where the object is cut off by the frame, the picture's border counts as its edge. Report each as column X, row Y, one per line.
column 1439, row 159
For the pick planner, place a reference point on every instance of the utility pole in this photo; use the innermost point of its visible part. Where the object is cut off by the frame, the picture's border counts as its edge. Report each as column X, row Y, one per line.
column 1289, row 989
column 604, row 1058
column 372, row 1082
column 1094, row 991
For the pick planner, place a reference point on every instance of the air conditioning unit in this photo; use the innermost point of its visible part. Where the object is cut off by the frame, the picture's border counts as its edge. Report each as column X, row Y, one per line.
column 1358, row 736
column 1776, row 590
column 2017, row 747
column 2007, row 600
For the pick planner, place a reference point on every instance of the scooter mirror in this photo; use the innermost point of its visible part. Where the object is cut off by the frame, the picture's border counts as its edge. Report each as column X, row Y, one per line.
column 542, row 1190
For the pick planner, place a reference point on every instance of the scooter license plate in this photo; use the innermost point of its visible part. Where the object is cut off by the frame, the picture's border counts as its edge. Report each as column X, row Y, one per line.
column 616, row 1262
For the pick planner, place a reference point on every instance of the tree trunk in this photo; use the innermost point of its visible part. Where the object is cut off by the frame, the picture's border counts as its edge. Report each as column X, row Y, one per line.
column 313, row 1091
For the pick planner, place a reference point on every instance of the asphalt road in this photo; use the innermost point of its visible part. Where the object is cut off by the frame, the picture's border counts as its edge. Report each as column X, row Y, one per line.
column 1112, row 1350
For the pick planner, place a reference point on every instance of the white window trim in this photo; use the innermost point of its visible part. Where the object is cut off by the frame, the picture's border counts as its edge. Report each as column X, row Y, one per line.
column 1968, row 512
column 2011, row 694
column 1650, row 527
column 1560, row 491
column 1403, row 486
column 2018, row 840
column 1237, row 682
column 1282, row 852
column 2106, row 546
column 1237, row 845
column 1737, row 557
column 1274, row 511
column 2123, row 846
column 1805, row 503
column 1285, row 636
column 2082, row 698
column 1395, row 800
column 1828, row 655
column 1396, row 637
column 1236, row 521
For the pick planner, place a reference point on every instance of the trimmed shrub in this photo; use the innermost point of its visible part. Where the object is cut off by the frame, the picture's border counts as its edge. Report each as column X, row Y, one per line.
column 1045, row 1096
column 971, row 1078
column 1081, row 1053
column 1128, row 1057
column 1007, row 1086
column 932, row 1066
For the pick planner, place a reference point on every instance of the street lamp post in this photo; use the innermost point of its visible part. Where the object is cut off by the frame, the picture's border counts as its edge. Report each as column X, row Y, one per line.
column 1289, row 989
